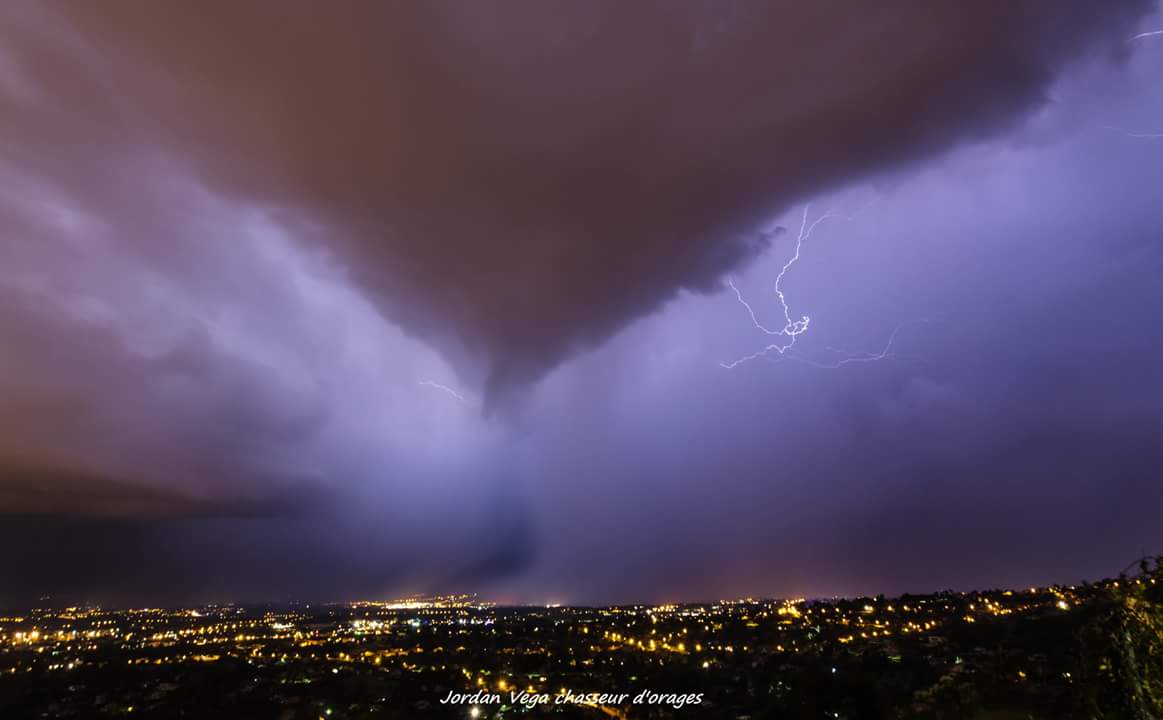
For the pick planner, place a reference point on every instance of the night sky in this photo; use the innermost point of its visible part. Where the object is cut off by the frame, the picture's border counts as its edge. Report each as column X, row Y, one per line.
column 324, row 302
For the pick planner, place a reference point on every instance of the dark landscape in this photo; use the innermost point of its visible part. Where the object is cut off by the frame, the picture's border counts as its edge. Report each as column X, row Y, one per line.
column 1092, row 650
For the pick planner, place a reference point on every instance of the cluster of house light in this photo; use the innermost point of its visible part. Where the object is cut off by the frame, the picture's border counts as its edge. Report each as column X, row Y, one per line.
column 60, row 641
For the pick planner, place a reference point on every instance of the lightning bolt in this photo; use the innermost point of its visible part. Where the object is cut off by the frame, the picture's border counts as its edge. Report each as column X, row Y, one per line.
column 444, row 388
column 1128, row 133
column 1142, row 35
column 792, row 329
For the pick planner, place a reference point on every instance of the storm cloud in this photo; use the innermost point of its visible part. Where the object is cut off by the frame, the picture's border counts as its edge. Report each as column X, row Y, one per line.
column 243, row 246
column 516, row 182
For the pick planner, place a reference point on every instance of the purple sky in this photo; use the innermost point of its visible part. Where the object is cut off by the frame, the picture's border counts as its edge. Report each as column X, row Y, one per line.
column 332, row 303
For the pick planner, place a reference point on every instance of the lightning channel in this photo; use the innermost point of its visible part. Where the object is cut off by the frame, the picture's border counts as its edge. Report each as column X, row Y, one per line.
column 1144, row 35
column 444, row 388
column 1130, row 134
column 792, row 328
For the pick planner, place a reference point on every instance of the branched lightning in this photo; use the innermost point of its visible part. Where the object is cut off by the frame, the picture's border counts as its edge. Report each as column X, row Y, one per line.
column 857, row 357
column 792, row 329
column 444, row 388
column 847, row 357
